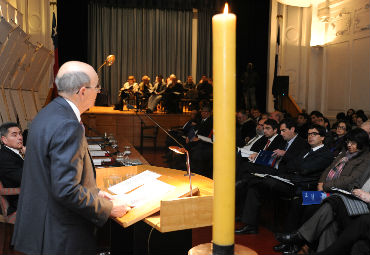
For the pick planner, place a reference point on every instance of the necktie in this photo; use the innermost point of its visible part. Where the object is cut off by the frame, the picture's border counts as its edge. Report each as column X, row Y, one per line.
column 267, row 144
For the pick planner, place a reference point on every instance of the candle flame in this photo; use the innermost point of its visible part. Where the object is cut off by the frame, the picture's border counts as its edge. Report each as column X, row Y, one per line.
column 226, row 9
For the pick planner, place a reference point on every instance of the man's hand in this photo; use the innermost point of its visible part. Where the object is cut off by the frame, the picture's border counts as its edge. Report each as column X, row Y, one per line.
column 278, row 153
column 120, row 208
column 361, row 194
column 253, row 156
column 320, row 186
column 104, row 194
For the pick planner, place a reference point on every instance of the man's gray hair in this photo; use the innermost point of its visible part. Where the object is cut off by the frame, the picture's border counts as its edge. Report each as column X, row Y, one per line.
column 71, row 82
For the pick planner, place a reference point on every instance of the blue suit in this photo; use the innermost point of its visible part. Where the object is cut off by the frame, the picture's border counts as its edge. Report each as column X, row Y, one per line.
column 58, row 205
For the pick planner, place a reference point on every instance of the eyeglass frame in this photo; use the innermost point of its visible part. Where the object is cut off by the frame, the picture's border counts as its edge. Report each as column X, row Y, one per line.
column 97, row 88
column 313, row 134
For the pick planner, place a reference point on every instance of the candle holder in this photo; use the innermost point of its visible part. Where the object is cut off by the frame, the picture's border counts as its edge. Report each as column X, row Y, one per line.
column 182, row 150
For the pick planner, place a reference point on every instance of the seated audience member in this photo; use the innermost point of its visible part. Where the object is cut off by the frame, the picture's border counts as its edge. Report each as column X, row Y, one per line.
column 190, row 126
column 126, row 91
column 302, row 170
column 349, row 114
column 354, row 230
column 276, row 115
column 173, row 94
column 361, row 118
column 314, row 116
column 272, row 140
column 366, row 126
column 11, row 158
column 256, row 114
column 191, row 92
column 246, row 151
column 204, row 88
column 201, row 152
column 157, row 93
column 246, row 128
column 144, row 92
column 302, row 125
column 339, row 137
column 189, row 84
column 348, row 171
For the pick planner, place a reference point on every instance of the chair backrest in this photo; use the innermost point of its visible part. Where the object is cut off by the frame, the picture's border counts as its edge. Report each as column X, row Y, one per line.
column 4, row 203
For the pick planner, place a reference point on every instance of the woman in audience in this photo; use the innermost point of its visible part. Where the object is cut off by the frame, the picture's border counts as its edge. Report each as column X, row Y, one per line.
column 339, row 137
column 349, row 171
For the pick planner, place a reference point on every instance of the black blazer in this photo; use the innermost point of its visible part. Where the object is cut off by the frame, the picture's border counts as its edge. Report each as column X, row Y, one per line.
column 10, row 174
column 311, row 166
column 10, row 168
column 298, row 146
column 277, row 143
column 205, row 127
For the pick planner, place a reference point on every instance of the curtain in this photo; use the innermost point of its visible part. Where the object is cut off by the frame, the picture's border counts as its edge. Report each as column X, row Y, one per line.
column 144, row 41
column 204, row 51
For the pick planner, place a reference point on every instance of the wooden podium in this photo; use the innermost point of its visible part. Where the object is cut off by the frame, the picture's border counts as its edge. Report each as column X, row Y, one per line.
column 175, row 210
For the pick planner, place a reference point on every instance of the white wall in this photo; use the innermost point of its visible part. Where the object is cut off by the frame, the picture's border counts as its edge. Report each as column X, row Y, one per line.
column 334, row 76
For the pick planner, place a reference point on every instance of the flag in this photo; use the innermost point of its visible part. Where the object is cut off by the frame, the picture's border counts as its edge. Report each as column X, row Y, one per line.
column 53, row 92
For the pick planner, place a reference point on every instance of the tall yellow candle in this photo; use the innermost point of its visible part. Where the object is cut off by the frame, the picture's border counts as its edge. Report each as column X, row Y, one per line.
column 224, row 80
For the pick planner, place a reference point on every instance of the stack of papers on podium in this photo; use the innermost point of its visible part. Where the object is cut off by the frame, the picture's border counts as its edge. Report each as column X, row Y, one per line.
column 98, row 161
column 141, row 188
column 98, row 153
column 94, row 147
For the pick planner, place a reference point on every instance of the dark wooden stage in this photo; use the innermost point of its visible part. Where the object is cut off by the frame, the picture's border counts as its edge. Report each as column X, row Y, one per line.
column 127, row 124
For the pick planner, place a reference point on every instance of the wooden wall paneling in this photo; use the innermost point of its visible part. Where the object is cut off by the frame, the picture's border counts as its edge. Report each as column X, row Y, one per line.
column 6, row 52
column 127, row 125
column 43, row 71
column 19, row 107
column 39, row 58
column 5, row 29
column 10, row 104
column 11, row 13
column 29, row 102
column 337, row 77
column 24, row 65
column 37, row 101
column 359, row 96
column 124, row 127
column 16, row 58
column 4, row 8
column 4, row 111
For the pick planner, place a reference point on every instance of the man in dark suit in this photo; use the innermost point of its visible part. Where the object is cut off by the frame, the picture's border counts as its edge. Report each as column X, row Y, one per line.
column 11, row 158
column 60, row 204
column 306, row 167
column 271, row 141
column 201, row 152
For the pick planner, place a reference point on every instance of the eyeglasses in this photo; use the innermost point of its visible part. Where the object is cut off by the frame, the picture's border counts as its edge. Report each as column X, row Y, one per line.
column 341, row 127
column 313, row 134
column 97, row 88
